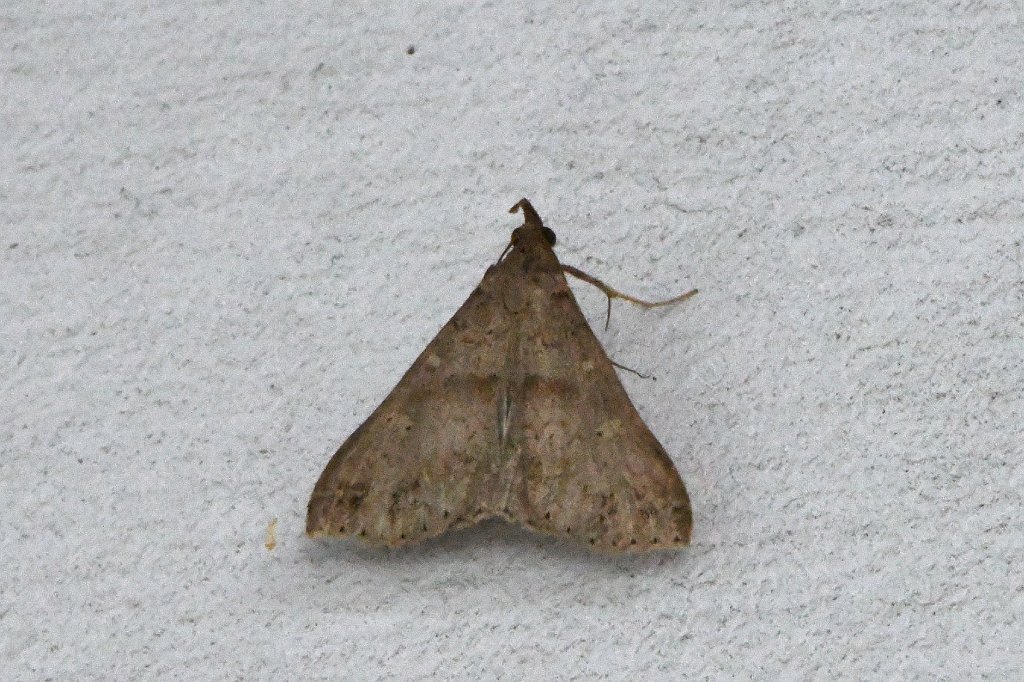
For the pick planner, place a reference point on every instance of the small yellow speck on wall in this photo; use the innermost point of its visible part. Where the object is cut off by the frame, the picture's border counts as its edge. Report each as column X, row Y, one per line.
column 271, row 541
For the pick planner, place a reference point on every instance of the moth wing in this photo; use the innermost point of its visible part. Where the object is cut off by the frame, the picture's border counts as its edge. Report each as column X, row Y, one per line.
column 415, row 468
column 590, row 468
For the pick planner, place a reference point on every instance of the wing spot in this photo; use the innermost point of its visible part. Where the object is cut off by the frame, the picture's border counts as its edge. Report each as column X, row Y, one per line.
column 632, row 541
column 678, row 539
column 568, row 529
column 445, row 513
column 547, row 515
column 402, row 536
column 362, row 533
column 593, row 540
column 654, row 541
column 424, row 527
column 341, row 528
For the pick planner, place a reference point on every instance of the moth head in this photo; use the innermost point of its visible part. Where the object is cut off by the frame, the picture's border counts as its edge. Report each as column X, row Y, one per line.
column 545, row 232
column 532, row 222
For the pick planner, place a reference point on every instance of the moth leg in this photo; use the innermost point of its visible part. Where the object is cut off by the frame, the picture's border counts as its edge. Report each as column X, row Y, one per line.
column 613, row 293
column 631, row 370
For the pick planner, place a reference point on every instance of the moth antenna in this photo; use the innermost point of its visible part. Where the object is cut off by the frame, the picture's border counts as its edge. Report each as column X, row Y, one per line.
column 613, row 293
column 507, row 249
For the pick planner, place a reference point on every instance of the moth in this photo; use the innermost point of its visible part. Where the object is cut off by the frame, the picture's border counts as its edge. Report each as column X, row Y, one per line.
column 513, row 411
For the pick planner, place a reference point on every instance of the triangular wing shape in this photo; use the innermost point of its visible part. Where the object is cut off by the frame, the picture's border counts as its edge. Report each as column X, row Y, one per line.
column 416, row 467
column 589, row 467
column 513, row 410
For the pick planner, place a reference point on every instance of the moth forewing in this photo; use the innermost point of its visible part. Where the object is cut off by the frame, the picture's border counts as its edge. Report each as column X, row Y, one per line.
column 514, row 411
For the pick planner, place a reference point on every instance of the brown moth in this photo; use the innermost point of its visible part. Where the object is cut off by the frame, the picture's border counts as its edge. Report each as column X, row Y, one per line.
column 513, row 411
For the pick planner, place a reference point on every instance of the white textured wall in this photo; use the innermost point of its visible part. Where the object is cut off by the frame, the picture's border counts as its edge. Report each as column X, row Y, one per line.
column 227, row 230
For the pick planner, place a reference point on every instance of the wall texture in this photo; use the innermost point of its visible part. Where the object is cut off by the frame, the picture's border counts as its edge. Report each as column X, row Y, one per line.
column 226, row 229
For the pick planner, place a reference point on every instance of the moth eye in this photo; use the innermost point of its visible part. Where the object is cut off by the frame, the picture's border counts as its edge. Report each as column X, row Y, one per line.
column 549, row 235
